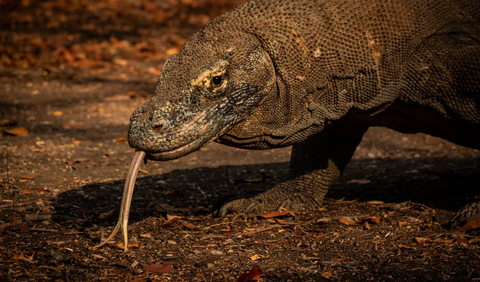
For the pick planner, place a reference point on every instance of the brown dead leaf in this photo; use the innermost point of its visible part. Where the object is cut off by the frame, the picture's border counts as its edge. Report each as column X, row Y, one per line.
column 28, row 191
column 24, row 228
column 327, row 275
column 121, row 139
column 375, row 220
column 375, row 202
column 172, row 50
column 253, row 275
column 109, row 215
column 171, row 220
column 18, row 256
column 421, row 240
column 474, row 263
column 120, row 62
column 153, row 71
column 188, row 225
column 366, row 225
column 19, row 131
column 358, row 181
column 255, row 257
column 158, row 268
column 133, row 245
column 86, row 63
column 347, row 221
column 471, row 225
column 445, row 241
column 73, row 125
column 402, row 223
column 401, row 246
column 274, row 214
column 7, row 122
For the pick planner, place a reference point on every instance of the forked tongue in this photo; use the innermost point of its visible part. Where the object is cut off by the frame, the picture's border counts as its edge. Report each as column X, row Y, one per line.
column 126, row 200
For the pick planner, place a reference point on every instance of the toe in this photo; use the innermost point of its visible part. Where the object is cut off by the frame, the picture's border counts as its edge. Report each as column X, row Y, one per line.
column 238, row 205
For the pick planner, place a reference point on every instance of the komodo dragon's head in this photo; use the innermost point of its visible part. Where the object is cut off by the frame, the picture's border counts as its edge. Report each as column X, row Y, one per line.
column 213, row 83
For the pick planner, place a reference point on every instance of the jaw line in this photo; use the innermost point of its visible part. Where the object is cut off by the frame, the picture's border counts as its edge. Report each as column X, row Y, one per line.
column 178, row 152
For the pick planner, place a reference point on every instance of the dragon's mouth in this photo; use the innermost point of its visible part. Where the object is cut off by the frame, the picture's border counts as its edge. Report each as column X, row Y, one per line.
column 175, row 153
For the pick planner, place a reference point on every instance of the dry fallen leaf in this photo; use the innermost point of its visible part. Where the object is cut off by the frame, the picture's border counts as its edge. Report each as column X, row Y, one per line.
column 402, row 223
column 327, row 275
column 120, row 62
column 227, row 229
column 358, row 181
column 445, row 241
column 158, row 268
column 255, row 257
column 253, row 275
column 471, row 225
column 28, row 191
column 109, row 215
column 16, row 131
column 375, row 220
column 73, row 125
column 18, row 256
column 406, row 247
column 347, row 221
column 274, row 214
column 188, row 225
column 421, row 240
column 28, row 177
column 24, row 228
column 133, row 245
column 375, row 202
column 7, row 122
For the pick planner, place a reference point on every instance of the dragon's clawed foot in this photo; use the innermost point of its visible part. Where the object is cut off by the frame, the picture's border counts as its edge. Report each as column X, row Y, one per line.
column 263, row 204
column 465, row 214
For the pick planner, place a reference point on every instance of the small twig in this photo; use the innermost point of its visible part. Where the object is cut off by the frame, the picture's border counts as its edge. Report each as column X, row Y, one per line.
column 263, row 229
column 204, row 195
column 43, row 230
column 225, row 223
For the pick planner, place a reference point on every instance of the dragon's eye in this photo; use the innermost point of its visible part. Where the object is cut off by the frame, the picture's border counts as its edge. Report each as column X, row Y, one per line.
column 217, row 80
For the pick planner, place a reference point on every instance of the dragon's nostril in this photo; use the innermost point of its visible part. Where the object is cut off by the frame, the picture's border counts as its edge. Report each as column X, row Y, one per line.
column 157, row 127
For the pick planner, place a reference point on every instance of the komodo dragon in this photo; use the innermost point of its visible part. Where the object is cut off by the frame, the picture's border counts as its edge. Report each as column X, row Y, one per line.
column 316, row 74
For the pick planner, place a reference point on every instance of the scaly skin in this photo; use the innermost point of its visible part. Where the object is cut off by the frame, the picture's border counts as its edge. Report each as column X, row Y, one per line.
column 316, row 75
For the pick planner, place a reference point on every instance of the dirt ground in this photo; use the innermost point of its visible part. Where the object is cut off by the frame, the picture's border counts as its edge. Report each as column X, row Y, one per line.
column 71, row 75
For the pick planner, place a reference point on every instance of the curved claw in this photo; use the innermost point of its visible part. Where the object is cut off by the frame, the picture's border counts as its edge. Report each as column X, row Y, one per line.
column 263, row 203
column 252, row 207
column 237, row 205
